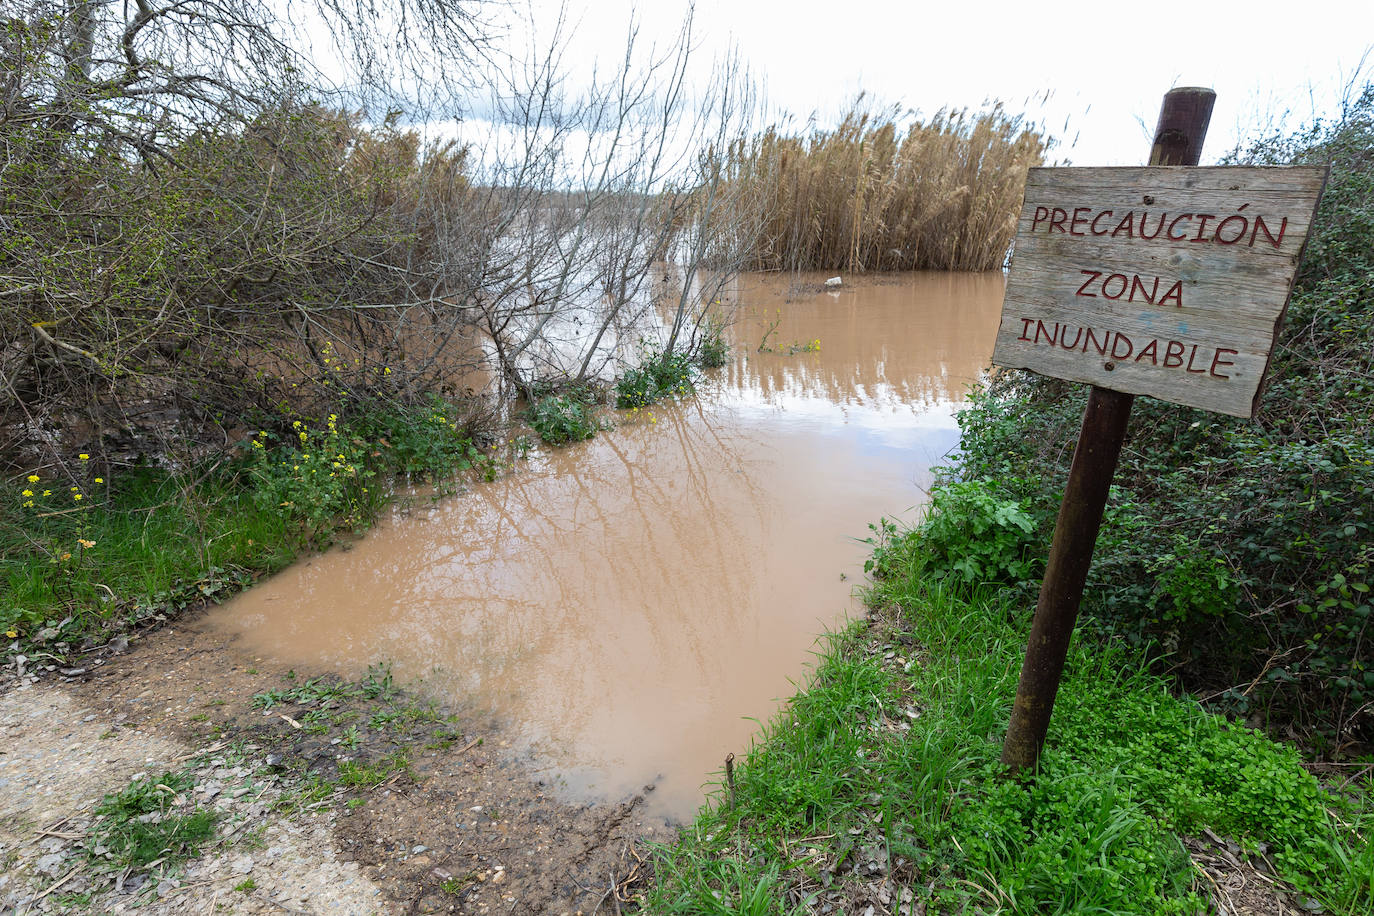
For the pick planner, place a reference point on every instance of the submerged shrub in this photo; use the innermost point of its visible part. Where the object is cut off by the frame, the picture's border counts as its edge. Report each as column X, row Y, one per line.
column 712, row 349
column 660, row 375
column 562, row 418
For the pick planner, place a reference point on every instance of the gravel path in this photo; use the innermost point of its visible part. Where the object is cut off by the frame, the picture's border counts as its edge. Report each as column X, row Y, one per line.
column 58, row 758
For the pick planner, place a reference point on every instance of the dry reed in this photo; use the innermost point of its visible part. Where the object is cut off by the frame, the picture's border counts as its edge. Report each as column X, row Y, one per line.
column 942, row 195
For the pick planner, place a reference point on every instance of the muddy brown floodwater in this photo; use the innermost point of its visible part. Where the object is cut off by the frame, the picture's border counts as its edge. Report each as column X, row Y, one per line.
column 631, row 608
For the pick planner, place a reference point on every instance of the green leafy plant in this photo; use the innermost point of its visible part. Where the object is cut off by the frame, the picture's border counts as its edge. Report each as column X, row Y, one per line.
column 977, row 536
column 563, row 418
column 712, row 350
column 319, row 478
column 433, row 439
column 1191, row 582
column 658, row 375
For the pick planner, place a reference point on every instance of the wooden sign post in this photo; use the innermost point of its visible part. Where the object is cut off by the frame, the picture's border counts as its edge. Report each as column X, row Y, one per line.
column 1164, row 281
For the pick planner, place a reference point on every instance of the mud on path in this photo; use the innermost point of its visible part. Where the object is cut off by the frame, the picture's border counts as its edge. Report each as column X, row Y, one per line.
column 330, row 797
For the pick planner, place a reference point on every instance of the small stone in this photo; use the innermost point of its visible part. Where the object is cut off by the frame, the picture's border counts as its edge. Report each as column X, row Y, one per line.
column 51, row 864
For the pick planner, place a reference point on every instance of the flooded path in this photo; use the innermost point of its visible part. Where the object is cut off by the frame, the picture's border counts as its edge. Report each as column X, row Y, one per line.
column 629, row 606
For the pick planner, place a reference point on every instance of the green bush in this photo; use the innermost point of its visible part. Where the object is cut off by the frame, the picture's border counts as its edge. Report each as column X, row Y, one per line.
column 428, row 440
column 972, row 534
column 319, row 478
column 712, row 349
column 1242, row 547
column 659, row 375
column 562, row 418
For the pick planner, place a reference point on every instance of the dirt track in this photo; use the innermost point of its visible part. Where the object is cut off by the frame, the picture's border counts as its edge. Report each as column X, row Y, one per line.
column 451, row 824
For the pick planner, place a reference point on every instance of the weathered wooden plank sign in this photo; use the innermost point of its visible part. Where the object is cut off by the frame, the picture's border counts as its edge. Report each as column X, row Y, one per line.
column 1162, row 281
column 1167, row 281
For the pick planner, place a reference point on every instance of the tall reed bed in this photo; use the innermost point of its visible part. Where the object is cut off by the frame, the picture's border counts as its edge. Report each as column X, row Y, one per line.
column 942, row 194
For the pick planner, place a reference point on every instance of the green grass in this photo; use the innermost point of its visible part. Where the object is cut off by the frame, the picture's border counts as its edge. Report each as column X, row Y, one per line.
column 142, row 824
column 364, row 775
column 83, row 549
column 891, row 755
column 311, row 790
column 154, row 539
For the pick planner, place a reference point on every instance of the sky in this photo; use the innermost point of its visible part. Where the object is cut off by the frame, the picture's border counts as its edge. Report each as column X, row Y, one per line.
column 1092, row 73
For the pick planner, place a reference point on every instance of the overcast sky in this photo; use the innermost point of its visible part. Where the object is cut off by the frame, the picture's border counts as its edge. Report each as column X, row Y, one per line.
column 1105, row 65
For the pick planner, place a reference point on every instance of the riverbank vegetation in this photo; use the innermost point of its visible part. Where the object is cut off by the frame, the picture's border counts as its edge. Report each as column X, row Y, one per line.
column 237, row 302
column 85, row 555
column 882, row 191
column 210, row 252
column 1222, row 665
column 880, row 784
column 1238, row 552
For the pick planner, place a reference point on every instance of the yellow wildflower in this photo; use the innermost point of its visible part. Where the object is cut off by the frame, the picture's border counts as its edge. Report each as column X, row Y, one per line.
column 85, row 543
column 47, row 492
column 100, row 480
column 34, row 478
column 12, row 634
column 84, row 457
column 26, row 493
column 76, row 497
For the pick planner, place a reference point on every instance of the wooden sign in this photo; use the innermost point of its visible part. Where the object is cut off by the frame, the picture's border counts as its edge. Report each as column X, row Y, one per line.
column 1166, row 281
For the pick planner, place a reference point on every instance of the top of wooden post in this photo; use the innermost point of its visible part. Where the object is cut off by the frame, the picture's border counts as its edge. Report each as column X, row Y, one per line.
column 1183, row 120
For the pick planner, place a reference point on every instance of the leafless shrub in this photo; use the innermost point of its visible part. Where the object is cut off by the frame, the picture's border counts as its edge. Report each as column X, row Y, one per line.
column 200, row 238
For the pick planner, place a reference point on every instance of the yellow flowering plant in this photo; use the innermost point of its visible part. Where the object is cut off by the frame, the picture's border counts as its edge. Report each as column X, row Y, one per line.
column 318, row 479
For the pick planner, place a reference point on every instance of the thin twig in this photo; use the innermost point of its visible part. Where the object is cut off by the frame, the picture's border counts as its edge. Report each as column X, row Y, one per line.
column 61, row 881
